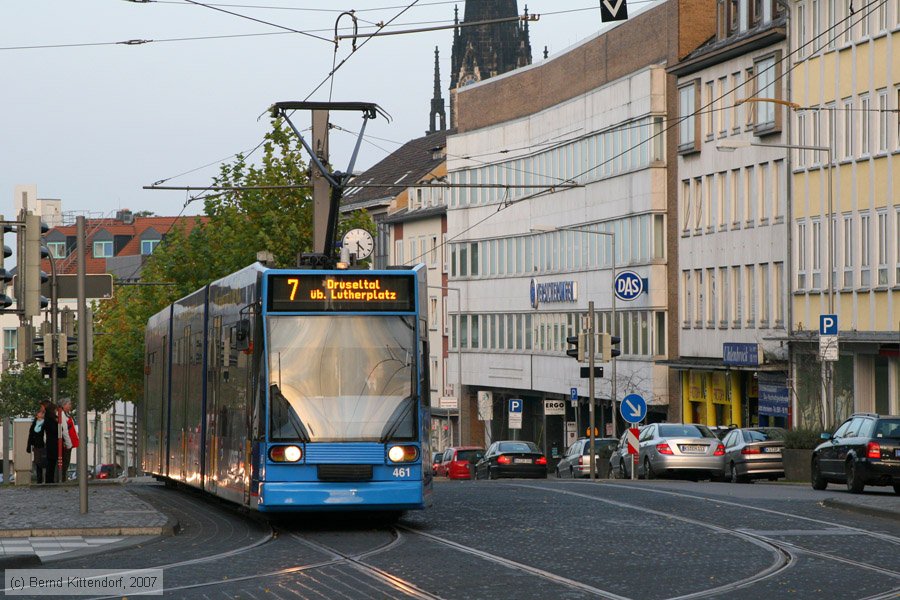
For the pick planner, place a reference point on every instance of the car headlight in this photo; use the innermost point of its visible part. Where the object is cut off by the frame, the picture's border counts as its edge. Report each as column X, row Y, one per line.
column 399, row 454
column 285, row 453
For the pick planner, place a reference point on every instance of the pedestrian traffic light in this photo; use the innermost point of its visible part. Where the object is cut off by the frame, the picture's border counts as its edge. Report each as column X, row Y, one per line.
column 30, row 267
column 607, row 352
column 5, row 277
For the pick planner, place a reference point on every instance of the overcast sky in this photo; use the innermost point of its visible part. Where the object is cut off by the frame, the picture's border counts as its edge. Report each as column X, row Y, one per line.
column 92, row 124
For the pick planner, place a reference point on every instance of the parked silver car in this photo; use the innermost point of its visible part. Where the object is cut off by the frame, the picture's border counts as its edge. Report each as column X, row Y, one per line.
column 754, row 452
column 669, row 448
column 576, row 462
column 620, row 462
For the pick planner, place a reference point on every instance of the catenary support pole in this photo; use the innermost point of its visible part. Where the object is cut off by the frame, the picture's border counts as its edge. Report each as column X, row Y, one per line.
column 82, row 369
column 590, row 348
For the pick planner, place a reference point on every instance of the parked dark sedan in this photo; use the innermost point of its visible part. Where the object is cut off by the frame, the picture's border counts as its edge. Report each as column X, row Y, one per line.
column 512, row 459
column 754, row 452
column 864, row 450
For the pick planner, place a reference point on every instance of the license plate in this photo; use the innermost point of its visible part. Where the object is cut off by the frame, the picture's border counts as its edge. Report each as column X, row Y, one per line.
column 522, row 461
column 771, row 449
column 693, row 448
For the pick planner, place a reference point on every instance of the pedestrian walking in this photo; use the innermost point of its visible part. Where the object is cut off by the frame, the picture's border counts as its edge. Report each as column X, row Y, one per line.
column 52, row 440
column 69, row 432
column 36, row 445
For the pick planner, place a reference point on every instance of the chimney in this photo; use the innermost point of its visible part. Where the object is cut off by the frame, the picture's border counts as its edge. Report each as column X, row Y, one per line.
column 125, row 215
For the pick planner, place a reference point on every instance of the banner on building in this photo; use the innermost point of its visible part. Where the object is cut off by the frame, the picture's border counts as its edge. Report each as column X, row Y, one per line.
column 774, row 398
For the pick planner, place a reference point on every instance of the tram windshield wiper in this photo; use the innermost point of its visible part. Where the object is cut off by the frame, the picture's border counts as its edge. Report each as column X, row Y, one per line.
column 398, row 418
column 292, row 418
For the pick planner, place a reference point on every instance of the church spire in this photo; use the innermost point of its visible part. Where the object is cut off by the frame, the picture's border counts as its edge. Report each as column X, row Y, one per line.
column 437, row 103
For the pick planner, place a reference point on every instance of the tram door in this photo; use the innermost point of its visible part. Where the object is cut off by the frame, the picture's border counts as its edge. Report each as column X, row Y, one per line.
column 217, row 356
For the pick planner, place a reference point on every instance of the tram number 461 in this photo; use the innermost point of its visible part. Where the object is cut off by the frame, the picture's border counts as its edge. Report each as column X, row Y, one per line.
column 403, row 472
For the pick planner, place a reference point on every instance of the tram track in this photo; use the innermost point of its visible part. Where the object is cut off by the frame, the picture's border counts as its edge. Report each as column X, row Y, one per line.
column 787, row 549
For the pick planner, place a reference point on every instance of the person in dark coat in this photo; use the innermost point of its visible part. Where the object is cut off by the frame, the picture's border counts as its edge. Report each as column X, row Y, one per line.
column 36, row 447
column 51, row 439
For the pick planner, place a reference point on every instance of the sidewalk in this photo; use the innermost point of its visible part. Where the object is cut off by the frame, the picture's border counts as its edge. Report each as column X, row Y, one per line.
column 885, row 506
column 38, row 522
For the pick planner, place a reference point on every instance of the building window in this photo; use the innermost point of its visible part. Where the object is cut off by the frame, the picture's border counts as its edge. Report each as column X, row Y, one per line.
column 801, row 139
column 816, row 26
column 763, row 295
column 865, row 103
column 751, row 296
column 147, row 246
column 882, row 121
column 816, row 254
column 768, row 85
column 710, row 105
column 830, row 22
column 882, row 250
column 685, row 206
column 10, row 344
column 700, row 313
column 688, row 125
column 711, row 298
column 801, row 255
column 736, row 108
column 103, row 249
column 848, row 128
column 686, row 299
column 723, row 297
column 778, row 290
column 737, row 291
column 897, row 240
column 865, row 251
column 735, row 198
column 848, row 251
column 801, row 30
column 57, row 249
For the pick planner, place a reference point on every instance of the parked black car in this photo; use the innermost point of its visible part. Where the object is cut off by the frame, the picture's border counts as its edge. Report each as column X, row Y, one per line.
column 864, row 450
column 512, row 459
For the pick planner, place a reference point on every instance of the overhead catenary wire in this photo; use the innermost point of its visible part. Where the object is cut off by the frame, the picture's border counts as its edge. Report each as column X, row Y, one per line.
column 860, row 14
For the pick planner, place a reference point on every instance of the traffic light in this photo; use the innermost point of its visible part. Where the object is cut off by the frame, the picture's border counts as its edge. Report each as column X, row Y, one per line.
column 5, row 277
column 607, row 352
column 30, row 266
column 24, row 344
column 37, row 348
column 578, row 350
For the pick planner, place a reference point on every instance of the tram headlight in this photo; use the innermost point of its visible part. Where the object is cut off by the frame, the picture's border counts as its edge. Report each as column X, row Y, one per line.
column 399, row 454
column 285, row 453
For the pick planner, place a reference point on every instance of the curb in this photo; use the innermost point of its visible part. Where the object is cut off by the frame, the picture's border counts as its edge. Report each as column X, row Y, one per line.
column 170, row 528
column 19, row 561
column 870, row 511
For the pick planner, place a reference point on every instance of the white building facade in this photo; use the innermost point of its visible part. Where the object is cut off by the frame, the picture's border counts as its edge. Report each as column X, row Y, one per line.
column 733, row 211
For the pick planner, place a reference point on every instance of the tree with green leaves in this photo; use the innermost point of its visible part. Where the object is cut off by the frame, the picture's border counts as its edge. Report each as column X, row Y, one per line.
column 23, row 387
column 235, row 225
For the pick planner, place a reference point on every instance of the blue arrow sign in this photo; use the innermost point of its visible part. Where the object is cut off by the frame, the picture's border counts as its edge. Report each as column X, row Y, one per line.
column 633, row 408
column 515, row 405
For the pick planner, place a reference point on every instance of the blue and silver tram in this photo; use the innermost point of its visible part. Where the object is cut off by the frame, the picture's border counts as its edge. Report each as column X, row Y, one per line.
column 293, row 390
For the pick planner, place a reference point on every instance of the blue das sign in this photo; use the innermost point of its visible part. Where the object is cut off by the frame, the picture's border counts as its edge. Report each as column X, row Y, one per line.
column 628, row 285
column 740, row 355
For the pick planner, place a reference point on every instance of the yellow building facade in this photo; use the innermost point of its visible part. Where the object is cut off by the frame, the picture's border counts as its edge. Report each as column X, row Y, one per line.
column 845, row 78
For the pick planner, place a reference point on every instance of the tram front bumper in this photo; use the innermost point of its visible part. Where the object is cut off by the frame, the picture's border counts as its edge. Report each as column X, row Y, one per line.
column 333, row 496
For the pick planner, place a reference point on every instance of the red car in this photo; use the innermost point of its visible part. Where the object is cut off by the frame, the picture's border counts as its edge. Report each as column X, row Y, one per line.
column 455, row 462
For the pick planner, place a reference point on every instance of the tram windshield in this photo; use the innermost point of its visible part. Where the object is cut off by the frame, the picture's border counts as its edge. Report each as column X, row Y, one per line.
column 341, row 378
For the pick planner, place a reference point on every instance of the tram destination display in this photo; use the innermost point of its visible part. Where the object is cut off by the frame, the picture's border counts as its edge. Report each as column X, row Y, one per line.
column 314, row 292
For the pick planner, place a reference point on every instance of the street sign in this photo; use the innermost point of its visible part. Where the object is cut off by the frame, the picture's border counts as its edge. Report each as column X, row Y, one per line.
column 485, row 406
column 98, row 286
column 628, row 285
column 613, row 10
column 631, row 438
column 828, row 348
column 633, row 408
column 448, row 402
column 828, row 325
column 554, row 407
column 586, row 372
column 515, row 413
column 573, row 394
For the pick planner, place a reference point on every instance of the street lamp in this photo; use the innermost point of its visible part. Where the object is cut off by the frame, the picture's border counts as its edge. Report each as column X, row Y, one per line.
column 731, row 145
column 591, row 343
column 459, row 403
